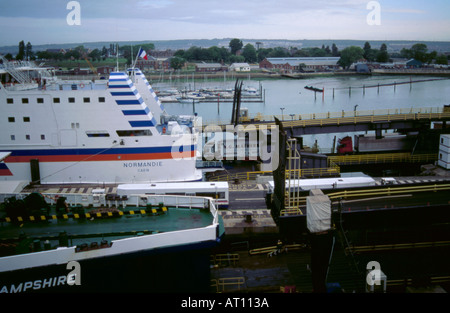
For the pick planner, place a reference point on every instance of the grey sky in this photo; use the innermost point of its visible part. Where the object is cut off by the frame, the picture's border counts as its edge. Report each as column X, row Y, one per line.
column 42, row 22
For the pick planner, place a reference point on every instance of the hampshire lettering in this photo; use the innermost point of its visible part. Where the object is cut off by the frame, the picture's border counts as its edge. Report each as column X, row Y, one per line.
column 35, row 285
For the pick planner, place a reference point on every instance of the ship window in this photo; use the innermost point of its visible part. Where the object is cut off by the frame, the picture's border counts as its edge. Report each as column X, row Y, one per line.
column 101, row 99
column 71, row 100
column 86, row 100
column 56, row 100
column 26, row 119
column 11, row 119
column 42, row 137
column 27, row 137
column 13, row 137
column 10, row 100
column 40, row 100
column 24, row 100
column 97, row 134
column 130, row 133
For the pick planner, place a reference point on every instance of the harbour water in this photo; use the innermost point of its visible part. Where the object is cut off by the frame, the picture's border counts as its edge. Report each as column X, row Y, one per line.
column 284, row 97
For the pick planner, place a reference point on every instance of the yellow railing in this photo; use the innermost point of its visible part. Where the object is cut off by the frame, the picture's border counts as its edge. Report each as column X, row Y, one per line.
column 228, row 258
column 381, row 158
column 346, row 117
column 397, row 246
column 388, row 191
column 220, row 283
column 333, row 170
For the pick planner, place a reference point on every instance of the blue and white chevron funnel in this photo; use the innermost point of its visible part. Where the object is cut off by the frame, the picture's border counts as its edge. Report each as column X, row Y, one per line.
column 132, row 105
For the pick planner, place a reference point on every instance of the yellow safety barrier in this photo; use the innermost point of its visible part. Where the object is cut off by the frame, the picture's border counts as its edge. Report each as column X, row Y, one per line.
column 398, row 246
column 381, row 158
column 228, row 281
column 77, row 215
column 291, row 211
column 266, row 250
column 332, row 170
column 388, row 191
column 338, row 118
column 228, row 258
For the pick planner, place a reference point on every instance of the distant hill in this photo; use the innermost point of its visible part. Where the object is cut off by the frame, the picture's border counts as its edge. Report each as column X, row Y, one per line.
column 393, row 46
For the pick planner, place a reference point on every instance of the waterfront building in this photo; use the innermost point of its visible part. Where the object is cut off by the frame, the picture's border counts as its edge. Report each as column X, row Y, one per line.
column 240, row 67
column 210, row 67
column 301, row 64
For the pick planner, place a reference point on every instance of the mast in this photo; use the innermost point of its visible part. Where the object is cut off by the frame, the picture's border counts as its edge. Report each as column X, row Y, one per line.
column 117, row 57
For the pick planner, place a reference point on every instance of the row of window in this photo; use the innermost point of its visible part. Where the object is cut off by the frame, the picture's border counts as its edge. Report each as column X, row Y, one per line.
column 56, row 100
column 12, row 119
column 27, row 137
column 121, row 133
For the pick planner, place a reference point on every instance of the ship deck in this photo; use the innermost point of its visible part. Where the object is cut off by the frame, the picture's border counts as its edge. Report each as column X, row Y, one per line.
column 94, row 230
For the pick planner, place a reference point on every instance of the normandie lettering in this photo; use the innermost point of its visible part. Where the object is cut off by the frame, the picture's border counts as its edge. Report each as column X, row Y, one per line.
column 143, row 164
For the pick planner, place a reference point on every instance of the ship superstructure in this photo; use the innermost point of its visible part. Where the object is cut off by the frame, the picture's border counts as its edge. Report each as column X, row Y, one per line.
column 91, row 131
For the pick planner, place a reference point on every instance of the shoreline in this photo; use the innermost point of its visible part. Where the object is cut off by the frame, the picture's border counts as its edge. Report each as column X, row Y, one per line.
column 167, row 77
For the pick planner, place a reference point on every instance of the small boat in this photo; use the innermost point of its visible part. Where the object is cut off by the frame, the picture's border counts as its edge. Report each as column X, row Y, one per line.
column 313, row 88
column 188, row 100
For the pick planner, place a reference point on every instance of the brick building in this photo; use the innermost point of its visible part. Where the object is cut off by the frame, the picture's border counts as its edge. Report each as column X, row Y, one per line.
column 315, row 64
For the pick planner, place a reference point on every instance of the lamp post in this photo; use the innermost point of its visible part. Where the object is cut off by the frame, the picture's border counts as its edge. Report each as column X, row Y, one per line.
column 282, row 116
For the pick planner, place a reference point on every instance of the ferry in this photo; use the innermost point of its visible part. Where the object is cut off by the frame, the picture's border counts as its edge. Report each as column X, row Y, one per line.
column 100, row 242
column 114, row 130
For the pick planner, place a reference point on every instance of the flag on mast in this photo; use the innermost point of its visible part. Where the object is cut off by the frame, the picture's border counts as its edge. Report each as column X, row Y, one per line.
column 142, row 54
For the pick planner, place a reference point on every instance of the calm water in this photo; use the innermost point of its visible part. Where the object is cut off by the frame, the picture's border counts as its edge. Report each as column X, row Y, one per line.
column 291, row 95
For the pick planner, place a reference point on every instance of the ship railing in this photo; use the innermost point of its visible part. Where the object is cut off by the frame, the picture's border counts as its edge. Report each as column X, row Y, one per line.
column 75, row 85
column 98, row 200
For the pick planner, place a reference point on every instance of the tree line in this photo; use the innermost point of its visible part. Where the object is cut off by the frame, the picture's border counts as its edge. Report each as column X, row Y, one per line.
column 418, row 52
column 236, row 52
column 78, row 53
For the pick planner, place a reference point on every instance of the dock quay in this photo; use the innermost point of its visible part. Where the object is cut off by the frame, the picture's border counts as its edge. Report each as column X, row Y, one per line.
column 247, row 261
column 253, row 264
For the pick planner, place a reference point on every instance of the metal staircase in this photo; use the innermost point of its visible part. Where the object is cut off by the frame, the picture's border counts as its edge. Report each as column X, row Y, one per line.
column 12, row 69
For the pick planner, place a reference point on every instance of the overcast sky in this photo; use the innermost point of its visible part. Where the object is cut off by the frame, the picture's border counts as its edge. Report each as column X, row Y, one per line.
column 45, row 21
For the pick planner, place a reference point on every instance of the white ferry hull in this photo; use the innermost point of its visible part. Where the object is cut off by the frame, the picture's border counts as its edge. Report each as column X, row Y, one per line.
column 94, row 132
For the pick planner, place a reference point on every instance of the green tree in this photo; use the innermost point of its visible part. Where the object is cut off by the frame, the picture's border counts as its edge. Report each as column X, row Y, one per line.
column 441, row 59
column 278, row 52
column 215, row 54
column 249, row 53
column 419, row 51
column 177, row 63
column 235, row 45
column 21, row 53
column 95, row 54
column 104, row 53
column 350, row 55
column 366, row 49
column 29, row 55
column 335, row 50
column 429, row 57
column 382, row 55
